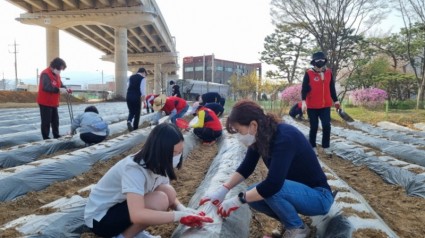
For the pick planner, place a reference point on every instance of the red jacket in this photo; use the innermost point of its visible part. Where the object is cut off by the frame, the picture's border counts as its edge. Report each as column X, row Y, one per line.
column 45, row 98
column 320, row 94
column 172, row 103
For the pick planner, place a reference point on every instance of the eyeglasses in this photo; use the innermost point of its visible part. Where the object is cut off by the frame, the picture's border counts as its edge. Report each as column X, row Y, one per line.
column 319, row 60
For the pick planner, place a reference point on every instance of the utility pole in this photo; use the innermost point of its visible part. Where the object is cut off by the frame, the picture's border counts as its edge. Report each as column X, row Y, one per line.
column 16, row 64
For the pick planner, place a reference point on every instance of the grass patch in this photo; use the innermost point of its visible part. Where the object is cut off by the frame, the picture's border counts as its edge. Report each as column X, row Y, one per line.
column 402, row 117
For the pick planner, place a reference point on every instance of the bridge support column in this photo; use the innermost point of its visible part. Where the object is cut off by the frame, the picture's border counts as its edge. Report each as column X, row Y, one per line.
column 158, row 79
column 52, row 44
column 121, row 67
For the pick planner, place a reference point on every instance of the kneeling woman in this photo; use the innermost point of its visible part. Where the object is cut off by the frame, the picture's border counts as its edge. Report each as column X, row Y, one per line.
column 295, row 182
column 93, row 129
column 136, row 192
column 208, row 128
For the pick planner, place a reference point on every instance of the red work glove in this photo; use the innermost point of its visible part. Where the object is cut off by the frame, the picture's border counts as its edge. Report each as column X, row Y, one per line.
column 337, row 105
column 192, row 220
column 229, row 206
column 215, row 197
column 68, row 90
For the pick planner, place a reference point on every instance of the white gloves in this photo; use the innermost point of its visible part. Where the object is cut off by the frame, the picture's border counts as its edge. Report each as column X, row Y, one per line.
column 304, row 106
column 182, row 208
column 63, row 90
column 229, row 206
column 215, row 197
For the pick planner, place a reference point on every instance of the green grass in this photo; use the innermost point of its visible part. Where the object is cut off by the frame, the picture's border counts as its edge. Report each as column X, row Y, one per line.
column 401, row 117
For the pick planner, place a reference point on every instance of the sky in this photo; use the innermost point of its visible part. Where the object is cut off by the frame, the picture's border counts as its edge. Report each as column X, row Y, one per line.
column 230, row 29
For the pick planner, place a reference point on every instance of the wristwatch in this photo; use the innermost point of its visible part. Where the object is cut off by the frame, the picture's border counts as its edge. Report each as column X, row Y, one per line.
column 241, row 197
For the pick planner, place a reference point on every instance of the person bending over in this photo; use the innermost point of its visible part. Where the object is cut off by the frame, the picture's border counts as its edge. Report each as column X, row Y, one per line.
column 136, row 192
column 295, row 182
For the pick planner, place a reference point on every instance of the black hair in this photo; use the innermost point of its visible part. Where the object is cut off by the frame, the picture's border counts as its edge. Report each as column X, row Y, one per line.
column 58, row 63
column 246, row 111
column 171, row 82
column 197, row 97
column 142, row 70
column 157, row 152
column 91, row 109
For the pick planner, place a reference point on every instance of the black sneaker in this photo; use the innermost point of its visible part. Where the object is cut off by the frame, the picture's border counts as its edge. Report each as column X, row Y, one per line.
column 130, row 128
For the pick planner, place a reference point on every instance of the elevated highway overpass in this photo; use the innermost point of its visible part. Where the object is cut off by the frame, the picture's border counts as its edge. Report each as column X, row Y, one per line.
column 131, row 33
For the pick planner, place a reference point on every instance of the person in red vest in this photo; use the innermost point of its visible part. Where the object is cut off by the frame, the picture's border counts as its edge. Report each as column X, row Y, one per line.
column 149, row 102
column 296, row 111
column 173, row 106
column 318, row 94
column 208, row 128
column 49, row 89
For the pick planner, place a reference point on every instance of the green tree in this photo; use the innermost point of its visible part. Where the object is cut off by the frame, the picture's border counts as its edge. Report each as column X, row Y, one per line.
column 245, row 86
column 287, row 48
column 413, row 13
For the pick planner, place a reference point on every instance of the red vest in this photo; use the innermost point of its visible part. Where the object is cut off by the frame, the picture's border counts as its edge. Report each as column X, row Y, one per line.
column 211, row 120
column 48, row 98
column 320, row 93
column 171, row 102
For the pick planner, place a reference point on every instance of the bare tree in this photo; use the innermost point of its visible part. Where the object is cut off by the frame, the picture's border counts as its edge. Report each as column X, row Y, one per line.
column 333, row 23
column 413, row 14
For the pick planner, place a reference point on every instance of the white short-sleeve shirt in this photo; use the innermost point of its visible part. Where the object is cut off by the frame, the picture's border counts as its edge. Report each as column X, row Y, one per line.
column 124, row 177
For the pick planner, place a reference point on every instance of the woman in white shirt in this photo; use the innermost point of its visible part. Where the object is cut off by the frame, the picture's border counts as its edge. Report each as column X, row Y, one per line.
column 136, row 192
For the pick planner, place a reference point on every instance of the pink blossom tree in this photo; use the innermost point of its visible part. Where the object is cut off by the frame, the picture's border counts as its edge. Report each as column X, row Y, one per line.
column 369, row 97
column 291, row 94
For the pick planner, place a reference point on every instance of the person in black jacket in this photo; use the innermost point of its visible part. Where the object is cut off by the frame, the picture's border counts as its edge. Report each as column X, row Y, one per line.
column 212, row 97
column 175, row 89
column 136, row 93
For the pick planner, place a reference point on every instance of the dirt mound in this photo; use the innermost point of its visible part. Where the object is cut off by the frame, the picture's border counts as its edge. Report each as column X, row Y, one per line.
column 25, row 97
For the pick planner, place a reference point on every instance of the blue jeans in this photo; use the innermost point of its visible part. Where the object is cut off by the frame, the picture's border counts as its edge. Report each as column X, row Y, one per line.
column 174, row 115
column 325, row 117
column 294, row 198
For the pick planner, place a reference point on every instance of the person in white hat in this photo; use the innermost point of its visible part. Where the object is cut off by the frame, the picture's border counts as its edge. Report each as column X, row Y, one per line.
column 173, row 106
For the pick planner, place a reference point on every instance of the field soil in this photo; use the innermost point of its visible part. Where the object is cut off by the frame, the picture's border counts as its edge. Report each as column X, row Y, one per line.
column 402, row 213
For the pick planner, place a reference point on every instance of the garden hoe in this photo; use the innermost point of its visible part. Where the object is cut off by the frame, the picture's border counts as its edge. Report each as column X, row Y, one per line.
column 344, row 115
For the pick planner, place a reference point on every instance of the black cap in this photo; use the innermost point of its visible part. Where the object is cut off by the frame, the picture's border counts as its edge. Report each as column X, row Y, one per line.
column 318, row 55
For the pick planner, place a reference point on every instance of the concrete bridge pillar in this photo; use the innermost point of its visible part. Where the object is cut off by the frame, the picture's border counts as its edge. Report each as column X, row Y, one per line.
column 52, row 44
column 121, row 61
column 158, row 79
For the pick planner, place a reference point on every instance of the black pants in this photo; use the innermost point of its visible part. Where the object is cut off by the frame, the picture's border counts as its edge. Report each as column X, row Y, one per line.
column 296, row 112
column 325, row 117
column 134, row 104
column 207, row 134
column 90, row 138
column 49, row 116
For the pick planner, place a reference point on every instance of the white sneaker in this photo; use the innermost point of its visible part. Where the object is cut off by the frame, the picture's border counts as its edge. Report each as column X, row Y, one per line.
column 297, row 233
column 146, row 234
column 327, row 151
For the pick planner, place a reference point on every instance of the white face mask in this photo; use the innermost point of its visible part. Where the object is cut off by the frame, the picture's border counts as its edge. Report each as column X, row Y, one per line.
column 247, row 139
column 176, row 160
column 57, row 72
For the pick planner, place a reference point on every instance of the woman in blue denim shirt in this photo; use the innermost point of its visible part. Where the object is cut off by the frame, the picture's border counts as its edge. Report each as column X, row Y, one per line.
column 93, row 129
column 295, row 183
